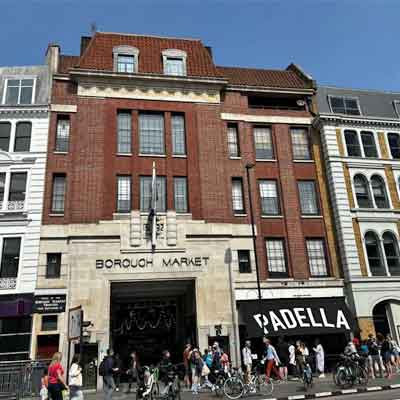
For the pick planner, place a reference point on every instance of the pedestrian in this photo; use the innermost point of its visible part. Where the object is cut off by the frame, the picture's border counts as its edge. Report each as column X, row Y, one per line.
column 132, row 372
column 320, row 358
column 44, row 381
column 292, row 359
column 208, row 357
column 117, row 374
column 247, row 360
column 216, row 356
column 165, row 367
column 197, row 365
column 271, row 358
column 75, row 379
column 282, row 349
column 56, row 378
column 386, row 353
column 374, row 356
column 395, row 355
column 186, row 364
column 108, row 377
column 300, row 360
column 225, row 365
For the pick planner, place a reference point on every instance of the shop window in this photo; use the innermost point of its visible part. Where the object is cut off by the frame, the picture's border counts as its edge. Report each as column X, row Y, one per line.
column 244, row 261
column 391, row 247
column 124, row 145
column 269, row 197
column 146, row 195
column 58, row 196
column 237, row 196
column 49, row 322
column 276, row 258
column 151, row 134
column 5, row 134
column 15, row 337
column 300, row 144
column 379, row 192
column 352, row 143
column 344, row 105
column 394, row 144
column 62, row 133
column 178, row 135
column 362, row 192
column 19, row 91
column 317, row 257
column 180, row 194
column 308, row 198
column 233, row 141
column 124, row 196
column 369, row 145
column 53, row 265
column 263, row 143
column 10, row 257
column 374, row 254
column 23, row 136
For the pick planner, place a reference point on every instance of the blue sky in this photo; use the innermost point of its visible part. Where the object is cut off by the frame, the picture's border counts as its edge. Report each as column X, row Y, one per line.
column 348, row 43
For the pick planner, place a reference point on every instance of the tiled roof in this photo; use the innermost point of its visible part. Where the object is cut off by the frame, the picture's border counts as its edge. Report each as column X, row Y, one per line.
column 67, row 62
column 264, row 77
column 99, row 53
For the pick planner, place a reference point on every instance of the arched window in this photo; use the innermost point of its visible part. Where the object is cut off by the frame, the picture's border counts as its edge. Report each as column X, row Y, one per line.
column 368, row 142
column 379, row 192
column 391, row 253
column 362, row 192
column 394, row 144
column 374, row 254
column 352, row 143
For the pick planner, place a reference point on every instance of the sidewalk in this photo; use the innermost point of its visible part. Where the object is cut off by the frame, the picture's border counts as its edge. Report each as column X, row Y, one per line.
column 292, row 390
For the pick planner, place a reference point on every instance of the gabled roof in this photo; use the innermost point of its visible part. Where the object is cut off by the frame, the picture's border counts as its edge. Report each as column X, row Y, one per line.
column 98, row 55
column 287, row 79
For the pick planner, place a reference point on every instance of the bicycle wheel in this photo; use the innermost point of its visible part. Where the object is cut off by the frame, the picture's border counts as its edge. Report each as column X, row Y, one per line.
column 264, row 385
column 341, row 379
column 233, row 388
column 219, row 387
column 177, row 388
column 156, row 390
column 361, row 376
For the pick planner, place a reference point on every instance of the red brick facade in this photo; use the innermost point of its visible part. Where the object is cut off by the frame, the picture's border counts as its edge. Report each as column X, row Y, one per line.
column 92, row 163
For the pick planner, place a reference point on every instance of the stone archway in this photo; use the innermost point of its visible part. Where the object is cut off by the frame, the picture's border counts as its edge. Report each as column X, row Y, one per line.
column 386, row 317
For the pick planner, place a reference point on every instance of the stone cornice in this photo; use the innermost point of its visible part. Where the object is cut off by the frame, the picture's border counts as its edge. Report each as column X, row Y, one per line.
column 355, row 121
column 33, row 110
column 264, row 89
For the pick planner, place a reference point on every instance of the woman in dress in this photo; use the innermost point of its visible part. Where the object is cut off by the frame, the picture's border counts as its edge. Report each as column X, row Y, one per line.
column 75, row 379
column 319, row 357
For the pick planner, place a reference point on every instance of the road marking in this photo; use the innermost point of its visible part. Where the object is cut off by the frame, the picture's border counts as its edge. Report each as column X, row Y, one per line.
column 348, row 391
column 374, row 388
column 298, row 397
column 323, row 394
column 395, row 386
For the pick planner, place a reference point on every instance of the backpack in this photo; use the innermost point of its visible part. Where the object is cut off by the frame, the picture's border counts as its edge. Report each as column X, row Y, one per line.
column 102, row 367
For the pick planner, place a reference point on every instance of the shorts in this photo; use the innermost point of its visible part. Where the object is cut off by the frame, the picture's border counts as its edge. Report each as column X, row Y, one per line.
column 387, row 356
column 395, row 352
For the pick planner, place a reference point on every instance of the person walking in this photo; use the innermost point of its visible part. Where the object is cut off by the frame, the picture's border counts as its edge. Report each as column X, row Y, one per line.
column 186, row 364
column 75, row 379
column 396, row 355
column 283, row 354
column 292, row 360
column 386, row 352
column 272, row 359
column 44, row 384
column 117, row 374
column 374, row 356
column 320, row 358
column 108, row 378
column 208, row 357
column 247, row 360
column 56, row 378
column 132, row 372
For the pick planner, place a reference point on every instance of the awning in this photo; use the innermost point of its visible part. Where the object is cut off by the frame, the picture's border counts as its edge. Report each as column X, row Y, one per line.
column 295, row 316
column 16, row 305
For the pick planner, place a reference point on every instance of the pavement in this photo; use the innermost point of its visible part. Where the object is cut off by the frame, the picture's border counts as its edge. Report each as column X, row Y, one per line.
column 382, row 389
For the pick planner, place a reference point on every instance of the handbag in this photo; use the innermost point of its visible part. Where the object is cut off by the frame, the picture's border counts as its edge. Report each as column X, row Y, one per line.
column 205, row 370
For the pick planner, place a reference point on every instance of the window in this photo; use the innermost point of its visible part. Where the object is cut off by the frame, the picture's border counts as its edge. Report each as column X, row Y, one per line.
column 352, row 144
column 174, row 66
column 180, row 194
column 237, row 196
column 49, row 322
column 17, row 186
column 374, row 255
column 145, row 193
column 396, row 104
column 263, row 143
column 19, row 91
column 126, row 63
column 58, row 194
column 269, row 197
column 276, row 258
column 379, row 192
column 361, row 189
column 392, row 254
column 124, row 132
column 233, row 141
column 394, row 144
column 308, row 198
column 344, row 105
column 53, row 265
column 369, row 146
column 2, row 186
column 23, row 136
column 300, row 144
column 178, row 134
column 124, row 194
column 5, row 133
column 151, row 133
column 62, row 134
column 10, row 257
column 15, row 337
column 316, row 257
column 244, row 261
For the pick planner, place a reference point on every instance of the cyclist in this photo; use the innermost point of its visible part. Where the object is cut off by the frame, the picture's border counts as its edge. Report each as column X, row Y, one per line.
column 165, row 366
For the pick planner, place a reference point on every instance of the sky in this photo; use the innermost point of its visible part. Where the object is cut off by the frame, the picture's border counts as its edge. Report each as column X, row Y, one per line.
column 346, row 43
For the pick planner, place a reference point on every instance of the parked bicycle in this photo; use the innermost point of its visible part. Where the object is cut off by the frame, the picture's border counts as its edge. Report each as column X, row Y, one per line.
column 148, row 388
column 217, row 379
column 350, row 371
column 307, row 376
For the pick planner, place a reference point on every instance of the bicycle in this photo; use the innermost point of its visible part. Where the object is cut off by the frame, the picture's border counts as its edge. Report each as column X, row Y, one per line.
column 307, row 376
column 349, row 372
column 173, row 389
column 148, row 388
column 218, row 378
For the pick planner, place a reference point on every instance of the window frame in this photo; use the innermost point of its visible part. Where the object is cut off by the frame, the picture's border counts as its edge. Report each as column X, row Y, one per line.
column 55, row 316
column 385, row 192
column 243, row 210
column 174, row 54
column 396, row 104
column 317, row 198
column 25, row 77
column 148, row 153
column 10, row 135
column 229, row 126
column 326, row 257
column 309, row 143
column 278, row 198
column 344, row 103
column 249, row 269
column 21, row 252
column 53, row 276
column 15, row 136
column 271, row 135
column 382, row 257
column 58, row 138
column 119, row 210
column 125, row 50
column 277, row 274
column 176, row 179
column 173, row 135
column 121, row 130
column 52, row 210
column 358, row 138
column 149, row 177
column 7, row 183
column 388, row 143
column 396, row 248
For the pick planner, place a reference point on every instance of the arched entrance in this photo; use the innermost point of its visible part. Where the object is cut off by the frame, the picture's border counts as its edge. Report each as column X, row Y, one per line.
column 386, row 317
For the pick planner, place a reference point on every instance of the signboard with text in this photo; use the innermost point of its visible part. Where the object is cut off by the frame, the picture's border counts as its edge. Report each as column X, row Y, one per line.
column 48, row 304
column 75, row 323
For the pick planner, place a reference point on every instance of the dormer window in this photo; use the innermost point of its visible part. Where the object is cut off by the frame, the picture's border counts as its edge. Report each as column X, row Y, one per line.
column 344, row 105
column 126, row 59
column 19, row 91
column 174, row 62
column 396, row 104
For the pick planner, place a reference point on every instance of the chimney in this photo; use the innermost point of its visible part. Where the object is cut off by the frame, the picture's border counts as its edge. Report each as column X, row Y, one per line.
column 52, row 57
column 84, row 43
column 209, row 49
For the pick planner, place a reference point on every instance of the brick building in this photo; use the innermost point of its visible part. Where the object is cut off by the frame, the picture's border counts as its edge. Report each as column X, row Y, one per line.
column 130, row 101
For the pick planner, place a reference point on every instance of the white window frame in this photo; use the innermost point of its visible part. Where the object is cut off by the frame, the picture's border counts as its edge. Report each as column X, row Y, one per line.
column 396, row 104
column 13, row 131
column 8, row 172
column 125, row 50
column 386, row 133
column 21, row 253
column 345, row 97
column 358, row 131
column 174, row 53
column 10, row 78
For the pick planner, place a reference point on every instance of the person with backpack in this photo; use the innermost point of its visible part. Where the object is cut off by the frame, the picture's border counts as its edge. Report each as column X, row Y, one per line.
column 374, row 356
column 386, row 351
column 107, row 369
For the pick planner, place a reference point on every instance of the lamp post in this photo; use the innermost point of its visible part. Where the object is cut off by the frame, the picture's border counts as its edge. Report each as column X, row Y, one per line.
column 249, row 166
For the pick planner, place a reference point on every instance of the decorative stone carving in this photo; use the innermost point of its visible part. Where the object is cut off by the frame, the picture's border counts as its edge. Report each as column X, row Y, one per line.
column 8, row 283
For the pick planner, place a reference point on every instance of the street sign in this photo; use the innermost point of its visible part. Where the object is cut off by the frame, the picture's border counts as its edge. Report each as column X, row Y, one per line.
column 48, row 304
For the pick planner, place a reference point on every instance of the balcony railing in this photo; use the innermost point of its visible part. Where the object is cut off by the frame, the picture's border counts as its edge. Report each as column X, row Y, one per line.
column 12, row 206
column 8, row 283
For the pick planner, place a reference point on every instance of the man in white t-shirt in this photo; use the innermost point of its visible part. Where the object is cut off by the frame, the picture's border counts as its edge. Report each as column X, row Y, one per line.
column 247, row 360
column 292, row 359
